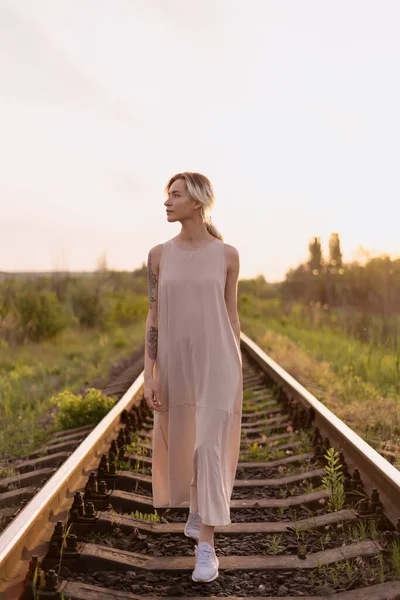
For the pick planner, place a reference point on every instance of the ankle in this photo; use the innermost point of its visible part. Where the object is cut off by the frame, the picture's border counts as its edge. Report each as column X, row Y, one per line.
column 206, row 533
column 210, row 542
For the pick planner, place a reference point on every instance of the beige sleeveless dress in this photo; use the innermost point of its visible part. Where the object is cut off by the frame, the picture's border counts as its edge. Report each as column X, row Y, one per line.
column 196, row 436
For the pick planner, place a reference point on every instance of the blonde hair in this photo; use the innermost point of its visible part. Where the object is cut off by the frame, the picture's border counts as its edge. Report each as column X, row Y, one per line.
column 201, row 190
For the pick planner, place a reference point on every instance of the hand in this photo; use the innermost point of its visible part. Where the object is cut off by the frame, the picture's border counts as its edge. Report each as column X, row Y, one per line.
column 152, row 394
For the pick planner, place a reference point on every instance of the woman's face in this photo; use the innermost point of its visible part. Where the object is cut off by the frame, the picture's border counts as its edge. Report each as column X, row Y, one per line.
column 179, row 205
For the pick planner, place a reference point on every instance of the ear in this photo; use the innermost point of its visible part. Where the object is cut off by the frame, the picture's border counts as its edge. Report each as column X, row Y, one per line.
column 197, row 204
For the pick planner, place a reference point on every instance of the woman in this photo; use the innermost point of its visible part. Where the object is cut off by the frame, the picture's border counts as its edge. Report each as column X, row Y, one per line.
column 193, row 343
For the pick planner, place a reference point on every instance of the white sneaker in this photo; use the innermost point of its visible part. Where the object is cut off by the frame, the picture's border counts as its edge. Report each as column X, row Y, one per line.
column 192, row 527
column 207, row 563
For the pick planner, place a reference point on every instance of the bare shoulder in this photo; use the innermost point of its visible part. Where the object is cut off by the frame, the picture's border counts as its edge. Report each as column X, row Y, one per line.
column 232, row 257
column 154, row 257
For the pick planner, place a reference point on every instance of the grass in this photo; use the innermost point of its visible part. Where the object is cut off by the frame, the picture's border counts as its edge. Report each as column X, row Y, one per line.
column 257, row 452
column 374, row 363
column 6, row 473
column 31, row 375
column 153, row 517
column 352, row 378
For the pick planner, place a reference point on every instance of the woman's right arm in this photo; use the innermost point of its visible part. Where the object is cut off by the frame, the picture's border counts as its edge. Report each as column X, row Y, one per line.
column 151, row 341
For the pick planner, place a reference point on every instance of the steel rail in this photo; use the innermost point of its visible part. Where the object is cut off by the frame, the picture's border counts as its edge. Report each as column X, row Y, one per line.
column 376, row 471
column 19, row 541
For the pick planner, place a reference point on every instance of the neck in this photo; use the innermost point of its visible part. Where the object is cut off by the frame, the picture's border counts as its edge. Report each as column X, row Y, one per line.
column 194, row 231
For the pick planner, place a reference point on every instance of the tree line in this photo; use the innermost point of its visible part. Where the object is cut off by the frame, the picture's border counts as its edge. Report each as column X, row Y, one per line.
column 363, row 297
column 373, row 287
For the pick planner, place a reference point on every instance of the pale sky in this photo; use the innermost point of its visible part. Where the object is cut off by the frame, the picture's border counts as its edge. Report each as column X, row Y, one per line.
column 290, row 107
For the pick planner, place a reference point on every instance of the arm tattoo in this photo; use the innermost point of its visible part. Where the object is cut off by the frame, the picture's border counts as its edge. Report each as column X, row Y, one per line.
column 152, row 283
column 152, row 342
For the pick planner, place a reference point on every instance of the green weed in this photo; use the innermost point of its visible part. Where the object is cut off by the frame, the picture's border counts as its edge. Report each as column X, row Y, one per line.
column 151, row 517
column 333, row 480
column 248, row 394
column 274, row 545
column 395, row 557
column 6, row 473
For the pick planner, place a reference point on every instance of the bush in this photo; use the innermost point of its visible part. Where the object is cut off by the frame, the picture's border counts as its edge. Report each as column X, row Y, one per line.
column 75, row 410
column 88, row 305
column 39, row 314
column 126, row 307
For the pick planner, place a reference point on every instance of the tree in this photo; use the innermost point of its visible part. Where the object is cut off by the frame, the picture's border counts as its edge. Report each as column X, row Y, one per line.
column 315, row 260
column 335, row 253
column 334, row 268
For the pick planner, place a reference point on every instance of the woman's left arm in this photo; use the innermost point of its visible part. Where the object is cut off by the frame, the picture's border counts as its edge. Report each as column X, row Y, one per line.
column 231, row 287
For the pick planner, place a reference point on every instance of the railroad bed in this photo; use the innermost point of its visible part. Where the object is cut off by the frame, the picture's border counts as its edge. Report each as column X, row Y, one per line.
column 92, row 533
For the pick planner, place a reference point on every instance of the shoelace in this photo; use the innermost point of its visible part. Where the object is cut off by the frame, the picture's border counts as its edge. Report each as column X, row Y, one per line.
column 204, row 554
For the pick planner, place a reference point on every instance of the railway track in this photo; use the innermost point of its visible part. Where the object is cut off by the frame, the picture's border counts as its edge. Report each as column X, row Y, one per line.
column 22, row 479
column 91, row 531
